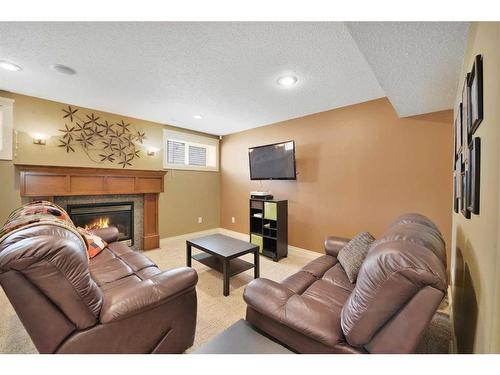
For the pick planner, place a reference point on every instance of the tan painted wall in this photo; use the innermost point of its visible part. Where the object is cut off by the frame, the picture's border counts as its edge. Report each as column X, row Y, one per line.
column 187, row 196
column 476, row 286
column 359, row 167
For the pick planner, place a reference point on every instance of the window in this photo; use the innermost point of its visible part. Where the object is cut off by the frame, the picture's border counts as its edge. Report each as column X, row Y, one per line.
column 6, row 120
column 190, row 151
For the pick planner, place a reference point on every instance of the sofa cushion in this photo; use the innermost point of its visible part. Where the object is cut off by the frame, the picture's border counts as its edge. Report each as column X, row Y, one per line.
column 305, row 314
column 418, row 233
column 109, row 271
column 338, row 277
column 327, row 293
column 320, row 265
column 117, row 262
column 354, row 253
column 414, row 218
column 299, row 281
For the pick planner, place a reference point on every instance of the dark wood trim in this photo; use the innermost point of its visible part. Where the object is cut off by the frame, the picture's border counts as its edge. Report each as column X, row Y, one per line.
column 151, row 233
column 39, row 181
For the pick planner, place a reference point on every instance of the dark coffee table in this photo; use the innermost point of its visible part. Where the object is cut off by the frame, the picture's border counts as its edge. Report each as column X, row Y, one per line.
column 221, row 253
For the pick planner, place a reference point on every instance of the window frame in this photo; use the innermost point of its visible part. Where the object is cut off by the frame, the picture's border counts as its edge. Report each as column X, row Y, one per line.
column 6, row 128
column 194, row 140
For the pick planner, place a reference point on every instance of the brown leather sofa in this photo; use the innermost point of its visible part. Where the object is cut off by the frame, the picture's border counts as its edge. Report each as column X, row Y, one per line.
column 399, row 288
column 118, row 302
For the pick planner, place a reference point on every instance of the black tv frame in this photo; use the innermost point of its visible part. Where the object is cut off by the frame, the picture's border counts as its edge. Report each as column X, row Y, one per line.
column 271, row 178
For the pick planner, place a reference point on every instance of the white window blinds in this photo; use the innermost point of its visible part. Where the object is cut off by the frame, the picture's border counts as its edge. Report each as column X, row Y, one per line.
column 190, row 151
column 176, row 152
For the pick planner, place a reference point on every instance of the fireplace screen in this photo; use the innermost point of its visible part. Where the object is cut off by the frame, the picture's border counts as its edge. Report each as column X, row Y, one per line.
column 103, row 215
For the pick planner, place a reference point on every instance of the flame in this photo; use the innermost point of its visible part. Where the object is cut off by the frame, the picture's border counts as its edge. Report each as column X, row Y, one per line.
column 102, row 222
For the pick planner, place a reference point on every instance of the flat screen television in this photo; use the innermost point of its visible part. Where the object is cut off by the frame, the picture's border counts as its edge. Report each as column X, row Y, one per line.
column 273, row 162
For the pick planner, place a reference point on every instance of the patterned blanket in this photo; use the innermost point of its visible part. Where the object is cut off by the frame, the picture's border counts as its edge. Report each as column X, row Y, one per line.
column 38, row 213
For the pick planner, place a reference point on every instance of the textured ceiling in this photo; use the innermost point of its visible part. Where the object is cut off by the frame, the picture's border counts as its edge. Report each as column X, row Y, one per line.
column 416, row 63
column 226, row 72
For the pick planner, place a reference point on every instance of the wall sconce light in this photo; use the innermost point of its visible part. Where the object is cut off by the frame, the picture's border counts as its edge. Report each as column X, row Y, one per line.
column 152, row 151
column 39, row 139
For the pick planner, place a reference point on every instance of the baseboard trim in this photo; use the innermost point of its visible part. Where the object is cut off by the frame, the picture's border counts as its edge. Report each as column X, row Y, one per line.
column 230, row 233
column 207, row 232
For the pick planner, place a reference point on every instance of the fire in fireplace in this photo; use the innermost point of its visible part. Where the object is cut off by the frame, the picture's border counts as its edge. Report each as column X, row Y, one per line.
column 103, row 215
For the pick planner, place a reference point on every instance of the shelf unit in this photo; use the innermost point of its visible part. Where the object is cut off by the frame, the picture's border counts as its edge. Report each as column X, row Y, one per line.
column 269, row 227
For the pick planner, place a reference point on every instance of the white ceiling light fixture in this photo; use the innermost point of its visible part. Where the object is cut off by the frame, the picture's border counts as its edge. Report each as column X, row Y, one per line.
column 197, row 117
column 287, row 80
column 64, row 69
column 11, row 67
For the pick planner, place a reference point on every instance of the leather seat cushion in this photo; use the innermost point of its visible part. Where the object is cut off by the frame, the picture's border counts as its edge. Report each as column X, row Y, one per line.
column 339, row 278
column 119, row 266
column 320, row 265
column 299, row 281
column 327, row 293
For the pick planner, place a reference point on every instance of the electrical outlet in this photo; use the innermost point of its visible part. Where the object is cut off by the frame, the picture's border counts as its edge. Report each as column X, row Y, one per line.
column 200, row 220
column 233, row 220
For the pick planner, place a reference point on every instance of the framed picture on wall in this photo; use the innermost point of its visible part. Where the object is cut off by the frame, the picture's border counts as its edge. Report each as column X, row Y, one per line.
column 475, row 83
column 456, row 199
column 458, row 132
column 465, row 111
column 463, row 200
column 474, row 173
column 457, row 184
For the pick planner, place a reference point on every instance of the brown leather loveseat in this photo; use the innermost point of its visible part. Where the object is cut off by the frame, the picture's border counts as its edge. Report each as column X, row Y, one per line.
column 398, row 289
column 118, row 302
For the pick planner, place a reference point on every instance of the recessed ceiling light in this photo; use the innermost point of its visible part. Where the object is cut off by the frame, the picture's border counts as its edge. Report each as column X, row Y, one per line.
column 11, row 67
column 287, row 81
column 63, row 69
column 198, row 117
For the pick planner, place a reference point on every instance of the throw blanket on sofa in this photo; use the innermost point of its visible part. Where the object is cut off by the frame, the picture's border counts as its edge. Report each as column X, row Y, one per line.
column 38, row 213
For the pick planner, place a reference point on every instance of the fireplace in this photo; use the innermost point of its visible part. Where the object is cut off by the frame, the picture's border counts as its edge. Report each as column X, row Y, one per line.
column 77, row 185
column 103, row 215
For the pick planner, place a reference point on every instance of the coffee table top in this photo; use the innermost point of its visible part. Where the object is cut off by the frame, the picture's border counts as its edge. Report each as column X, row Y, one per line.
column 224, row 246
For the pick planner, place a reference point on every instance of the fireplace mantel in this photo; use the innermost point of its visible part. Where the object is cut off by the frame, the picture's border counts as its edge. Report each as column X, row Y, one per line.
column 48, row 182
column 38, row 181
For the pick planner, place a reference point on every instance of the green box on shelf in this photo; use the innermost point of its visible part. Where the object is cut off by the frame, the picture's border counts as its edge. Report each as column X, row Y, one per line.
column 270, row 211
column 256, row 240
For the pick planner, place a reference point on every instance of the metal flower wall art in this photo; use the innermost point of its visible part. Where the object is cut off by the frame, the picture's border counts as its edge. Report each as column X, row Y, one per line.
column 101, row 140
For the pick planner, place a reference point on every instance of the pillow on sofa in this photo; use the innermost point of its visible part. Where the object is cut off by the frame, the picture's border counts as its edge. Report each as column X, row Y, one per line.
column 352, row 255
column 95, row 244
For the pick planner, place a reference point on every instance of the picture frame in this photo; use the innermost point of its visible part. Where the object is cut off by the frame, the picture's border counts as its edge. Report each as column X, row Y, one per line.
column 463, row 206
column 465, row 111
column 474, row 176
column 457, row 184
column 456, row 200
column 475, row 83
column 458, row 132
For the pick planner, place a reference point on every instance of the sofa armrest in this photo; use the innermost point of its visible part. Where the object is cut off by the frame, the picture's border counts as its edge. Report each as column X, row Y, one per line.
column 334, row 244
column 109, row 234
column 147, row 294
column 267, row 296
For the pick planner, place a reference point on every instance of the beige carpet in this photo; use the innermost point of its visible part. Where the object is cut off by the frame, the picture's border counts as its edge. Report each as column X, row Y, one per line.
column 215, row 312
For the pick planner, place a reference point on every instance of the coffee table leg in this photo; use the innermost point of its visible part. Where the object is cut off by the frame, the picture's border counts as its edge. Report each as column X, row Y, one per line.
column 256, row 264
column 188, row 255
column 225, row 269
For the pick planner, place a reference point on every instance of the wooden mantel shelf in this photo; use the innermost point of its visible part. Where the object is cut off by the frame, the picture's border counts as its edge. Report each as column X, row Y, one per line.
column 49, row 182
column 41, row 181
